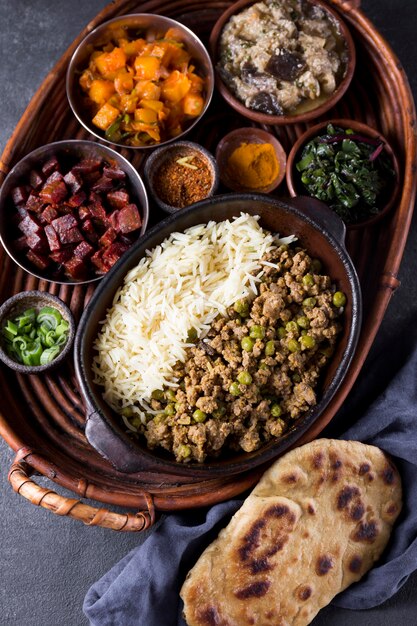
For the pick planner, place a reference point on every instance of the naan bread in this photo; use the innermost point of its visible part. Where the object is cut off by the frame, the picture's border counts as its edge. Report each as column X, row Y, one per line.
column 315, row 523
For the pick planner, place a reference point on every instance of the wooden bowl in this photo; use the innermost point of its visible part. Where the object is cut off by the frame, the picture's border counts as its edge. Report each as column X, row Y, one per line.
column 233, row 140
column 296, row 187
column 319, row 230
column 136, row 23
column 171, row 151
column 34, row 299
column 67, row 151
column 307, row 110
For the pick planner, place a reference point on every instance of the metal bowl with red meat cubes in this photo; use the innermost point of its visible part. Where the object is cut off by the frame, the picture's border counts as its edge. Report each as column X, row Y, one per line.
column 69, row 210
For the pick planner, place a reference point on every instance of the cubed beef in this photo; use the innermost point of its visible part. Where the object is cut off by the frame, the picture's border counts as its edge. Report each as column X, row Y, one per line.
column 19, row 194
column 113, row 220
column 54, row 190
column 114, row 172
column 41, row 261
column 90, row 232
column 61, row 256
column 29, row 224
column 97, row 209
column 97, row 261
column 77, row 199
column 35, row 180
column 75, row 268
column 84, row 250
column 118, row 199
column 48, row 214
column 52, row 237
column 108, row 237
column 86, row 166
column 51, row 165
column 74, row 181
column 34, row 202
column 113, row 253
column 64, row 223
column 103, row 185
column 83, row 212
column 72, row 235
column 129, row 219
column 37, row 242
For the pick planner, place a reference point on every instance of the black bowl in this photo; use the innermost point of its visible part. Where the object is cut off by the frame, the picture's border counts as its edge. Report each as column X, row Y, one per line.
column 322, row 236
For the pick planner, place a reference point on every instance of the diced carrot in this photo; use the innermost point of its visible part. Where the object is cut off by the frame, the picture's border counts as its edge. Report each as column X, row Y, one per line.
column 148, row 89
column 128, row 102
column 147, row 67
column 175, row 87
column 155, row 105
column 132, row 48
column 173, row 33
column 193, row 104
column 146, row 116
column 179, row 59
column 105, row 116
column 109, row 63
column 123, row 82
column 101, row 90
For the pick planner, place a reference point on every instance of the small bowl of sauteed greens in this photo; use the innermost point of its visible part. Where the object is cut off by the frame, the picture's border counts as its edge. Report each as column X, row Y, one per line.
column 36, row 332
column 347, row 165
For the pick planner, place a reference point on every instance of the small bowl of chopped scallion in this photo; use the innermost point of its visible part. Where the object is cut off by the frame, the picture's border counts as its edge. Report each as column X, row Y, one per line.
column 349, row 166
column 36, row 331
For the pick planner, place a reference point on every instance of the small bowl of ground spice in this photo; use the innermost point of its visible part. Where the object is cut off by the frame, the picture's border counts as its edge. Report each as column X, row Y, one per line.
column 251, row 159
column 181, row 174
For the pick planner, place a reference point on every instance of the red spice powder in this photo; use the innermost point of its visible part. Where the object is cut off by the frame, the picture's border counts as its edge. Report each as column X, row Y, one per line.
column 179, row 185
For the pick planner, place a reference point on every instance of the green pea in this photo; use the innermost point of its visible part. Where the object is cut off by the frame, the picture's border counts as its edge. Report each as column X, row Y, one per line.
column 192, row 335
column 219, row 412
column 291, row 327
column 316, row 265
column 184, row 451
column 339, row 299
column 309, row 303
column 307, row 341
column 244, row 378
column 270, row 348
column 293, row 345
column 247, row 344
column 234, row 389
column 170, row 409
column 281, row 332
column 159, row 419
column 296, row 378
column 199, row 416
column 326, row 351
column 308, row 280
column 257, row 332
column 136, row 422
column 241, row 307
column 171, row 395
column 263, row 366
column 127, row 411
column 303, row 322
column 158, row 394
column 276, row 410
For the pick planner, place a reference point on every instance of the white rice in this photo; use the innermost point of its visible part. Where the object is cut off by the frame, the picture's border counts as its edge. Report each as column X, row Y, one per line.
column 183, row 283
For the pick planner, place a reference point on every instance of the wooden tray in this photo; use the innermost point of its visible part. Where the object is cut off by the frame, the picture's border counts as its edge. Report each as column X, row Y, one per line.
column 42, row 417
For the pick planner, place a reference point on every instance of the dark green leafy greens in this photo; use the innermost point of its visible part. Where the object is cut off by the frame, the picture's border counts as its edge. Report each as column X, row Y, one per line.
column 35, row 338
column 348, row 171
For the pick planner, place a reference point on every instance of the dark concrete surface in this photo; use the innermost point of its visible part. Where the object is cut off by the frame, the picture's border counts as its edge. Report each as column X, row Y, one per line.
column 48, row 563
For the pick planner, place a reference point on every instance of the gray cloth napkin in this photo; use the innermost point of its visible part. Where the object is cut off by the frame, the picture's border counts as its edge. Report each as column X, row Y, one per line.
column 143, row 587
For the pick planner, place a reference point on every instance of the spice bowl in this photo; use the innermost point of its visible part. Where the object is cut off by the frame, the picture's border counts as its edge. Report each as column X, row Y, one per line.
column 181, row 174
column 364, row 164
column 46, row 338
column 251, row 159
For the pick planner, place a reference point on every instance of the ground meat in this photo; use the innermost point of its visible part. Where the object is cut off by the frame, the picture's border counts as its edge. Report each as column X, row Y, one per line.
column 258, row 368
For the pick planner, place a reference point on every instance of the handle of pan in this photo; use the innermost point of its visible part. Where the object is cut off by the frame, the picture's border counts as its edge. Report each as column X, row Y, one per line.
column 20, row 479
